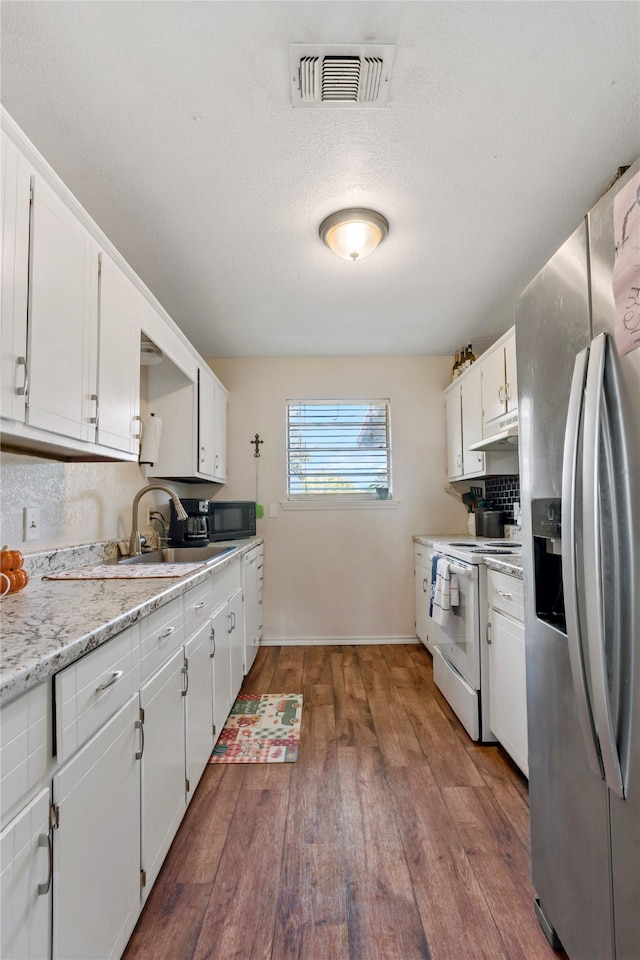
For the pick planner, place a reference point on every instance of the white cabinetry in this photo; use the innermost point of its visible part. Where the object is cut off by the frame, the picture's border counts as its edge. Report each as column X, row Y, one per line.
column 70, row 329
column 121, row 308
column 190, row 448
column 479, row 404
column 96, row 853
column 198, row 706
column 252, row 579
column 14, row 210
column 236, row 613
column 227, row 632
column 464, row 426
column 453, row 407
column 499, row 382
column 422, row 587
column 61, row 319
column 26, row 863
column 507, row 671
column 163, row 764
column 198, row 702
column 221, row 666
column 132, row 726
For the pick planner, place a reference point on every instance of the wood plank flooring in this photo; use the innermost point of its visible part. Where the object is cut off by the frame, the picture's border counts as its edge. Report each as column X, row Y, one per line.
column 393, row 837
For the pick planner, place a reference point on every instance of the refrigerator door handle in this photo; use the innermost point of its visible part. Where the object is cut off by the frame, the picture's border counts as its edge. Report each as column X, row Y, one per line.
column 574, row 641
column 594, row 600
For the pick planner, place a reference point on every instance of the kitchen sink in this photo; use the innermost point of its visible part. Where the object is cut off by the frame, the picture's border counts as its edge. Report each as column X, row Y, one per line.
column 180, row 554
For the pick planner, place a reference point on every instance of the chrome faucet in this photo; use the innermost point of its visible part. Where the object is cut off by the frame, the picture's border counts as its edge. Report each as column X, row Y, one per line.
column 135, row 547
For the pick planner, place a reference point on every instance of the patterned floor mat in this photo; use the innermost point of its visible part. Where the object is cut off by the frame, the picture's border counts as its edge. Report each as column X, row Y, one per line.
column 261, row 728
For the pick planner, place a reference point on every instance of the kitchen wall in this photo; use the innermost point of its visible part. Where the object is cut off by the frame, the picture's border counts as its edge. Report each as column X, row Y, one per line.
column 341, row 574
column 78, row 502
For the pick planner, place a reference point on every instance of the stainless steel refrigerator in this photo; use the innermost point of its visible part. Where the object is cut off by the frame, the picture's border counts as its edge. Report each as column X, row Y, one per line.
column 579, row 410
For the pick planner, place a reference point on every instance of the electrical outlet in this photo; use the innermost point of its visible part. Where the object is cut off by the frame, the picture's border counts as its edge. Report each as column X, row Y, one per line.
column 31, row 523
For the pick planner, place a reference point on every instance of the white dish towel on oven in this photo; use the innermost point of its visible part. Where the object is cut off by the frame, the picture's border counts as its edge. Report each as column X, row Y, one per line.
column 444, row 590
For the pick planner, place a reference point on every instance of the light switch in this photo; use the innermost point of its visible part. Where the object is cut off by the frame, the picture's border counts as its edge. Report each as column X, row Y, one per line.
column 31, row 523
column 273, row 510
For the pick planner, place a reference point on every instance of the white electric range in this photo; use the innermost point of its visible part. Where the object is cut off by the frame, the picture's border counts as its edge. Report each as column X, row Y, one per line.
column 460, row 655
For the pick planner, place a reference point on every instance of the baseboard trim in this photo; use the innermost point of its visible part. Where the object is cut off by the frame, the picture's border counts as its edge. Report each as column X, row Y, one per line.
column 335, row 641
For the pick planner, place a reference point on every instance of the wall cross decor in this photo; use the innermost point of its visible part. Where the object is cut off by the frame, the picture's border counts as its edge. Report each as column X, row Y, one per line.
column 257, row 441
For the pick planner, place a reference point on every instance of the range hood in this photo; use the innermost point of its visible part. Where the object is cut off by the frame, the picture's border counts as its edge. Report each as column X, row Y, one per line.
column 504, row 439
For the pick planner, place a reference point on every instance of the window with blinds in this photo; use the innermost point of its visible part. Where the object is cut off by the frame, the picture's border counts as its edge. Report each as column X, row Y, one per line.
column 338, row 449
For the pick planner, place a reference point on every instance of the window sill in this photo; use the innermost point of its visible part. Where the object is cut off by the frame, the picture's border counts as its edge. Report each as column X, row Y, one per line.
column 339, row 504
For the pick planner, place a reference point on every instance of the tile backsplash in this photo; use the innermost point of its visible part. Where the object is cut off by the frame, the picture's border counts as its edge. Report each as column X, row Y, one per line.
column 501, row 493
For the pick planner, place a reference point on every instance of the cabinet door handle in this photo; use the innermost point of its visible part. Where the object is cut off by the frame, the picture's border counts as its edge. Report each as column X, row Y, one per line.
column 138, row 434
column 44, row 840
column 185, row 673
column 501, row 393
column 424, row 585
column 167, row 633
column 230, row 620
column 213, row 643
column 233, row 619
column 94, row 399
column 23, row 391
column 109, row 683
column 139, row 725
column 489, row 634
column 458, row 459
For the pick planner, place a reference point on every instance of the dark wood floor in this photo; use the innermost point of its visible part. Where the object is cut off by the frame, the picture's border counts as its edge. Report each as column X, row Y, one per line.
column 393, row 837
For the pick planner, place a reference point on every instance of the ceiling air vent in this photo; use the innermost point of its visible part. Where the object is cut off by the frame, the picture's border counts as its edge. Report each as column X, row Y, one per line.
column 340, row 75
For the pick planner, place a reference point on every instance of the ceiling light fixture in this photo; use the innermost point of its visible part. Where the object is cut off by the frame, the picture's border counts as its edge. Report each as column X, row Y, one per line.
column 354, row 234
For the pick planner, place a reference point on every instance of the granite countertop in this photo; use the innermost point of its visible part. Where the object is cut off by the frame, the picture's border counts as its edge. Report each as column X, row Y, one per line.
column 51, row 623
column 511, row 565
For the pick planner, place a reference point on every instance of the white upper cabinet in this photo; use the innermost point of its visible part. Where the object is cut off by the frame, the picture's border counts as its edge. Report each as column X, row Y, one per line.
column 61, row 319
column 476, row 406
column 48, row 306
column 464, row 427
column 121, row 308
column 206, row 424
column 499, row 382
column 473, row 461
column 14, row 213
column 193, row 442
column 71, row 316
column 454, row 432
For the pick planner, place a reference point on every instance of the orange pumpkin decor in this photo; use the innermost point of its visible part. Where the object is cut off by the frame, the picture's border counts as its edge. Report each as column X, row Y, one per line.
column 11, row 565
column 10, row 560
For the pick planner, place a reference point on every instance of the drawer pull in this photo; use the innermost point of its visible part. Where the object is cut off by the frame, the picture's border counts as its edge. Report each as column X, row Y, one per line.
column 44, row 840
column 108, row 683
column 139, row 725
column 167, row 633
column 199, row 606
column 505, row 594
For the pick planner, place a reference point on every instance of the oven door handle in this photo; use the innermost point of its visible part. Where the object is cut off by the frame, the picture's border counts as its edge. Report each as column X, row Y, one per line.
column 461, row 571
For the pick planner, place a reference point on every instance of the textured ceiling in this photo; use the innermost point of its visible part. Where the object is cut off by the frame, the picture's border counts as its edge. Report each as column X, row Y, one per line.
column 172, row 123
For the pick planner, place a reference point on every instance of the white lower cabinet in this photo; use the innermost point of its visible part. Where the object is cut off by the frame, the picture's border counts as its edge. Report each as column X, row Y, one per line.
column 422, row 592
column 134, row 724
column 96, row 843
column 25, row 888
column 162, row 765
column 252, row 566
column 221, row 649
column 198, row 706
column 507, row 670
column 236, row 638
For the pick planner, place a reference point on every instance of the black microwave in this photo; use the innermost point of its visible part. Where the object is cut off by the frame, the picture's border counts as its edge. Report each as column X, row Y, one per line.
column 232, row 519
